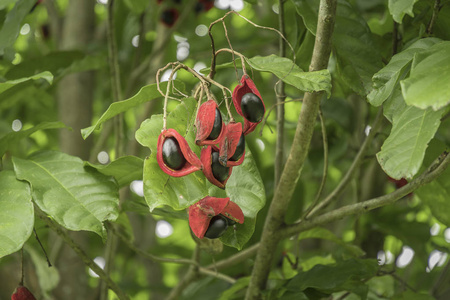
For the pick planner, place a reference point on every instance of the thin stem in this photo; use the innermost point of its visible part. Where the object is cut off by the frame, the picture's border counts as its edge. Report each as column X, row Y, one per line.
column 110, row 249
column 218, row 275
column 355, row 165
column 80, row 252
column 231, row 47
column 436, row 9
column 235, row 259
column 395, row 38
column 42, row 247
column 297, row 156
column 279, row 146
column 115, row 78
column 233, row 52
column 435, row 169
column 270, row 110
column 22, row 275
column 325, row 165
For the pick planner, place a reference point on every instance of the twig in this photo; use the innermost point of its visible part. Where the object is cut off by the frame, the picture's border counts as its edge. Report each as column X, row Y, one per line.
column 279, row 146
column 22, row 275
column 325, row 166
column 433, row 171
column 297, row 156
column 395, row 38
column 436, row 9
column 233, row 52
column 235, row 259
column 354, row 166
column 88, row 262
column 42, row 247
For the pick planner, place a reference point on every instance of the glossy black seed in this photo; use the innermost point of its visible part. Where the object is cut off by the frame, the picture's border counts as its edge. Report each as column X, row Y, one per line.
column 239, row 149
column 217, row 227
column 219, row 172
column 217, row 127
column 252, row 107
column 172, row 155
column 169, row 17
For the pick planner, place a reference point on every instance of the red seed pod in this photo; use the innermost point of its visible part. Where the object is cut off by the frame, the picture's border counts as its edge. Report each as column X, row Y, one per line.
column 229, row 143
column 192, row 162
column 207, row 125
column 201, row 213
column 216, row 173
column 22, row 293
column 246, row 86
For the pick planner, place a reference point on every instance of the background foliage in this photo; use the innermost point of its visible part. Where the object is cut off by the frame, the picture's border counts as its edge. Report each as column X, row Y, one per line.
column 77, row 149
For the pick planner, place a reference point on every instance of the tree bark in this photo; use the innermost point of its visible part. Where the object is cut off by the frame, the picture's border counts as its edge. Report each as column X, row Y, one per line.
column 75, row 94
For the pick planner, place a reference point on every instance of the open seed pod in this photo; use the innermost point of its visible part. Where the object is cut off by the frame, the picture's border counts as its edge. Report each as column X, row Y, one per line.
column 212, row 208
column 210, row 127
column 232, row 146
column 174, row 155
column 249, row 104
column 214, row 171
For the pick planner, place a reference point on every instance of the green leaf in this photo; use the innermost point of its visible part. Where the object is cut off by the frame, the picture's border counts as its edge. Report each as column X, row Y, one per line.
column 177, row 192
column 12, row 138
column 125, row 169
column 356, row 54
column 398, row 8
column 137, row 6
column 76, row 197
column 246, row 188
column 54, row 62
column 403, row 151
column 385, row 80
column 238, row 286
column 48, row 277
column 286, row 70
column 323, row 233
column 145, row 94
column 180, row 119
column 410, row 295
column 436, row 194
column 11, row 27
column 427, row 85
column 4, row 86
column 16, row 213
column 345, row 275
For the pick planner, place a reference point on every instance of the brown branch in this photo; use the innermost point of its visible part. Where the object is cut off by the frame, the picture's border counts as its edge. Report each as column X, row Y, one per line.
column 299, row 150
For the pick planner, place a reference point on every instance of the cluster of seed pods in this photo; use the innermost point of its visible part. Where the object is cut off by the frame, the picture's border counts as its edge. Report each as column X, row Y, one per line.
column 223, row 147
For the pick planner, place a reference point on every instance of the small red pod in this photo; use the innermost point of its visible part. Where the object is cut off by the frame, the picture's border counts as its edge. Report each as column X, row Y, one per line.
column 246, row 86
column 22, row 293
column 212, row 168
column 208, row 132
column 229, row 143
column 201, row 213
column 192, row 162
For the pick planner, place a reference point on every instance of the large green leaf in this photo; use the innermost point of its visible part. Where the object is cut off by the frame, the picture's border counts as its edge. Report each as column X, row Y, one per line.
column 125, row 169
column 398, row 9
column 403, row 151
column 286, row 70
column 345, row 275
column 385, row 80
column 11, row 27
column 323, row 233
column 13, row 137
column 145, row 94
column 246, row 188
column 78, row 198
column 356, row 53
column 16, row 213
column 4, row 86
column 180, row 119
column 177, row 192
column 427, row 85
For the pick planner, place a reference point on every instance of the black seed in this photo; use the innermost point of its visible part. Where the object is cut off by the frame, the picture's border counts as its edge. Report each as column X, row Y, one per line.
column 252, row 107
column 217, row 227
column 219, row 172
column 239, row 149
column 217, row 127
column 168, row 17
column 172, row 155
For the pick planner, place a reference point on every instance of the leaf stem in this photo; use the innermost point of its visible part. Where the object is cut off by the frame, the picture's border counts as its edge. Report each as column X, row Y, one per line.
column 436, row 9
column 42, row 247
